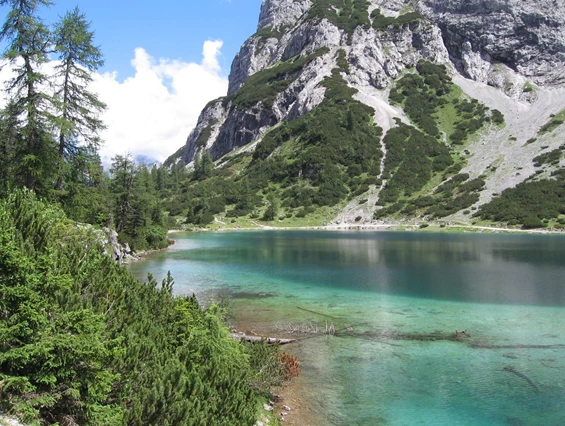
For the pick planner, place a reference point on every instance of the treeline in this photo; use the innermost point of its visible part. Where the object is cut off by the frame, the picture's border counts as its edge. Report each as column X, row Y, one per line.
column 50, row 126
column 334, row 153
column 83, row 342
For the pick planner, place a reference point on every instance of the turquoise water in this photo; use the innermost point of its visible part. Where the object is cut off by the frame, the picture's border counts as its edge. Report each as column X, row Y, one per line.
column 395, row 300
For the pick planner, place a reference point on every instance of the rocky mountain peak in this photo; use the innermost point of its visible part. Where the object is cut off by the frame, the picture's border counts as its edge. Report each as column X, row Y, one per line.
column 282, row 13
column 447, row 73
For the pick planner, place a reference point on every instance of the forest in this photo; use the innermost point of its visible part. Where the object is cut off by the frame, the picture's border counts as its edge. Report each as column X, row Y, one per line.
column 81, row 340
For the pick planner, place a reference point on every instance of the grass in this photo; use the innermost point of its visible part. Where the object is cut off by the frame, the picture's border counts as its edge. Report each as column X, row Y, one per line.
column 447, row 114
column 528, row 87
column 320, row 217
column 554, row 122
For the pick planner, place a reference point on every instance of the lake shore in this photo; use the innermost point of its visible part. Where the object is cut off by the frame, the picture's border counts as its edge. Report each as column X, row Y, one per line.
column 379, row 227
column 295, row 394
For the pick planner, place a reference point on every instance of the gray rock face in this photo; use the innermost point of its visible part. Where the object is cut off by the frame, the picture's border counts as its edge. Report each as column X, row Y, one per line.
column 213, row 115
column 258, row 53
column 507, row 44
column 279, row 13
column 377, row 58
column 526, row 36
column 240, row 128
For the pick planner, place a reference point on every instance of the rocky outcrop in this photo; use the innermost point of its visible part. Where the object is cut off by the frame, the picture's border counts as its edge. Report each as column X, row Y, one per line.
column 267, row 46
column 121, row 253
column 282, row 13
column 525, row 36
column 376, row 58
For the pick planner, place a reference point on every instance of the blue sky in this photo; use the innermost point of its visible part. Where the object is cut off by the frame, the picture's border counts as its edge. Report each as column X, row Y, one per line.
column 164, row 61
column 173, row 29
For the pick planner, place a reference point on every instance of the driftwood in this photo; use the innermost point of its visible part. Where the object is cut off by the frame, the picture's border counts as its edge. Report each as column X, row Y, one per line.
column 530, row 382
column 269, row 340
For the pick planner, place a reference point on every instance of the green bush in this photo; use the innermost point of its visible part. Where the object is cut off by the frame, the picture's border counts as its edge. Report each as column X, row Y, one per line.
column 551, row 157
column 83, row 342
column 423, row 94
column 528, row 203
column 410, row 161
column 345, row 14
column 380, row 21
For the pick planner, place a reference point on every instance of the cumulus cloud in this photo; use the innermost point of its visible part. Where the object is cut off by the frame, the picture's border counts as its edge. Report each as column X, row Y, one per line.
column 153, row 112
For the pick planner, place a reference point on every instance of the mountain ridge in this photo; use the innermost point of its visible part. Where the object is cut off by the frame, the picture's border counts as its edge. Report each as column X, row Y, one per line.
column 284, row 72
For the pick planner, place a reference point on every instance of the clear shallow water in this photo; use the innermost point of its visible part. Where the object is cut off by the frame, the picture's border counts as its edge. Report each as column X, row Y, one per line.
column 389, row 295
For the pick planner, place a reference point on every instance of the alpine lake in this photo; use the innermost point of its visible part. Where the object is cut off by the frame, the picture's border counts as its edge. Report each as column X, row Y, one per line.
column 396, row 328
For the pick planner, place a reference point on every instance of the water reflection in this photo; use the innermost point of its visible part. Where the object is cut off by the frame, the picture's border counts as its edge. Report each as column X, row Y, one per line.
column 476, row 268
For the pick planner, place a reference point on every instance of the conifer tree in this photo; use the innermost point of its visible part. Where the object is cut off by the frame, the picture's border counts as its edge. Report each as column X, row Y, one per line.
column 10, row 140
column 122, row 173
column 78, row 108
column 27, row 44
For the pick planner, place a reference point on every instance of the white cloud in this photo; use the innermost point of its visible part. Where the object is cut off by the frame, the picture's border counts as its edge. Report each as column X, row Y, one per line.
column 153, row 112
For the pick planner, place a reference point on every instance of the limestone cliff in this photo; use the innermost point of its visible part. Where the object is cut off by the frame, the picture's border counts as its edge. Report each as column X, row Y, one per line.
column 507, row 54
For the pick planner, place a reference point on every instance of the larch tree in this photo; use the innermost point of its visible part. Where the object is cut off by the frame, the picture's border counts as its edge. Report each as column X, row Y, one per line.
column 77, row 108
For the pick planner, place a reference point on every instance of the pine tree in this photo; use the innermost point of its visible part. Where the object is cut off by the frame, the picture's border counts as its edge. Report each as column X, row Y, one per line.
column 272, row 207
column 206, row 166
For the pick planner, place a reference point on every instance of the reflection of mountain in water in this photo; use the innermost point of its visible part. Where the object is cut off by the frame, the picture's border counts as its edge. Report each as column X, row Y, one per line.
column 479, row 268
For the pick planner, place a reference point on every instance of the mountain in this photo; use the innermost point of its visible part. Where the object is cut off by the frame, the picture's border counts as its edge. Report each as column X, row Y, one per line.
column 382, row 109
